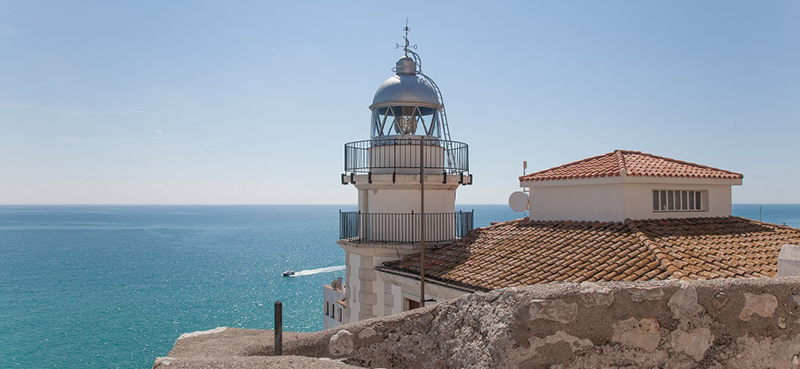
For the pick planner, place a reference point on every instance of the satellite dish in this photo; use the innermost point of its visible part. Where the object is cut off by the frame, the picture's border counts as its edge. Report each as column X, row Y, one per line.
column 518, row 201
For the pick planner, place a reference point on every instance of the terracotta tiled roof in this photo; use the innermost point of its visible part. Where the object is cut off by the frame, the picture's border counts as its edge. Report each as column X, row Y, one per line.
column 523, row 252
column 633, row 163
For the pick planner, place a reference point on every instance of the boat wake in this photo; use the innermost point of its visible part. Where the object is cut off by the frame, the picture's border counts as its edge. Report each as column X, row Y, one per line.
column 318, row 270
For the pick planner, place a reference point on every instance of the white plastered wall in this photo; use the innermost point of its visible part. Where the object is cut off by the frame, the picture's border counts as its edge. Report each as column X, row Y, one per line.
column 603, row 202
column 619, row 198
column 639, row 200
column 406, row 201
column 331, row 297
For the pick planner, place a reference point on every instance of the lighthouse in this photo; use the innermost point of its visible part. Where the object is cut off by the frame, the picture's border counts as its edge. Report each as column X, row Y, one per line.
column 406, row 176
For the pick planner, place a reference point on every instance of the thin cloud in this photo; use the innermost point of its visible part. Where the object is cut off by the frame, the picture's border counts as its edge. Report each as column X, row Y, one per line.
column 9, row 29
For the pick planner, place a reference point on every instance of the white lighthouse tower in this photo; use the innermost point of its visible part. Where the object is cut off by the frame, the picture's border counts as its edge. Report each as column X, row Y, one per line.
column 406, row 175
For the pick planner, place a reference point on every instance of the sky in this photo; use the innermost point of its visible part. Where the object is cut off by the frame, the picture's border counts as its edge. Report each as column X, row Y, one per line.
column 251, row 102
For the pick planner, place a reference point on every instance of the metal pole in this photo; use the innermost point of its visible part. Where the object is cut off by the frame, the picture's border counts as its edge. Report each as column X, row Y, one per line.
column 278, row 328
column 422, row 222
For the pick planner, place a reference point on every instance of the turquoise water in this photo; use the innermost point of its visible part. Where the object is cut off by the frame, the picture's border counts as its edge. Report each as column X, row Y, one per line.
column 788, row 214
column 114, row 286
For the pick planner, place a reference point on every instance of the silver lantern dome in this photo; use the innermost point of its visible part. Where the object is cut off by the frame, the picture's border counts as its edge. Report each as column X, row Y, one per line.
column 406, row 87
column 406, row 102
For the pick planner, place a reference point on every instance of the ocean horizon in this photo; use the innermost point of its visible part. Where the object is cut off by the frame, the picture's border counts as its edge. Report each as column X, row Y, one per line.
column 114, row 285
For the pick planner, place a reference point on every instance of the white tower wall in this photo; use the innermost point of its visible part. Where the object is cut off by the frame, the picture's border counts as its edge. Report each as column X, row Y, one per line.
column 409, row 151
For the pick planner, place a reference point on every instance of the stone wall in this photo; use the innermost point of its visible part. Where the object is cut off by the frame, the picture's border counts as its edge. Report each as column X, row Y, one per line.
column 732, row 323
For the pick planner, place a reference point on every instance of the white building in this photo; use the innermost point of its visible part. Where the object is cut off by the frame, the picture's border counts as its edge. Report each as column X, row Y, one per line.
column 629, row 185
column 407, row 171
column 335, row 305
column 621, row 216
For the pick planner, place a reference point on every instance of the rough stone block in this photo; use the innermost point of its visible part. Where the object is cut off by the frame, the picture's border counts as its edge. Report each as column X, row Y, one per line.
column 643, row 334
column 646, row 294
column 367, row 333
column 694, row 344
column 425, row 319
column 555, row 310
column 492, row 296
column 683, row 303
column 341, row 343
column 596, row 295
column 762, row 305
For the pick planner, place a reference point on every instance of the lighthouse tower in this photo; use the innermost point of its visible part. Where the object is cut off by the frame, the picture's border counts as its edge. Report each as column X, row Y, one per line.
column 406, row 175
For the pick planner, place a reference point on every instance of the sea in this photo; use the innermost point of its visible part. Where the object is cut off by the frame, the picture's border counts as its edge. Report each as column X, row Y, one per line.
column 113, row 286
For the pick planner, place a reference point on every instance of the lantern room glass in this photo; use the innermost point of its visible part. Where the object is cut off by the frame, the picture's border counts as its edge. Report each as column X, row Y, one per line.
column 402, row 120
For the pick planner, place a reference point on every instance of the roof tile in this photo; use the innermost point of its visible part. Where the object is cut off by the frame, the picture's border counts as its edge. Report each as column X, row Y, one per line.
column 632, row 163
column 523, row 252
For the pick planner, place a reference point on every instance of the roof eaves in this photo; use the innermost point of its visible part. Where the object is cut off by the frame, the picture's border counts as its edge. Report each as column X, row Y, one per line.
column 391, row 269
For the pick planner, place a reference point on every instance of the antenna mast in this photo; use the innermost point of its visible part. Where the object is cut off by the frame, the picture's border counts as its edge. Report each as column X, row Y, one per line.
column 417, row 59
column 405, row 37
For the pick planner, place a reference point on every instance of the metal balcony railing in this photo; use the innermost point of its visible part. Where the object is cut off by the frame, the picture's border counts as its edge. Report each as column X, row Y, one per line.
column 402, row 155
column 403, row 227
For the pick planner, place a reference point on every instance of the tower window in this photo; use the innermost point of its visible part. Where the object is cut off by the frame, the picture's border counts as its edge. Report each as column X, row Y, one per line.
column 670, row 200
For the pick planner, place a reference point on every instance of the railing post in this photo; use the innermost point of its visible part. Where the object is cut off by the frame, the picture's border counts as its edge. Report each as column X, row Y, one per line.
column 359, row 227
column 413, row 235
column 278, row 343
column 422, row 223
column 472, row 219
column 459, row 221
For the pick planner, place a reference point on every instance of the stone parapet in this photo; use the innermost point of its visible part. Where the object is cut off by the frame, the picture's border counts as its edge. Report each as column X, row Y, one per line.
column 724, row 323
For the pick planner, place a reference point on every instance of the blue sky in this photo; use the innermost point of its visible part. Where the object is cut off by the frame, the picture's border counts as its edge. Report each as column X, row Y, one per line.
column 250, row 102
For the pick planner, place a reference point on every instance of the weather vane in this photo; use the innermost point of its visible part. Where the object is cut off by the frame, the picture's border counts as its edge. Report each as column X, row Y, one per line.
column 405, row 37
